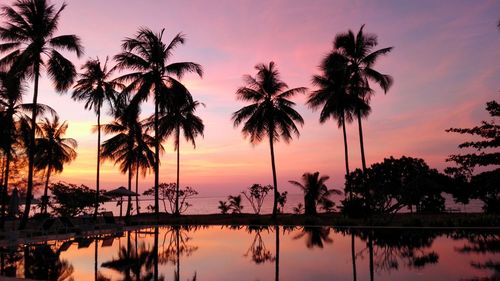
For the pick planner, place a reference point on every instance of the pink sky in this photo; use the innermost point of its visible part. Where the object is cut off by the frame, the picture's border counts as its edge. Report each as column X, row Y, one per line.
column 445, row 67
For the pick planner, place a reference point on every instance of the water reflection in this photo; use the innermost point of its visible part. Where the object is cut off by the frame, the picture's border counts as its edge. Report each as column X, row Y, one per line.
column 259, row 253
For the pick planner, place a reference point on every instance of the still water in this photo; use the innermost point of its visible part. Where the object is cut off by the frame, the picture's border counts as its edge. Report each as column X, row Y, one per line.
column 259, row 253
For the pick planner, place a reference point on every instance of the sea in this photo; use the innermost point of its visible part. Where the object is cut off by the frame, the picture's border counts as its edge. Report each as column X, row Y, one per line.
column 209, row 205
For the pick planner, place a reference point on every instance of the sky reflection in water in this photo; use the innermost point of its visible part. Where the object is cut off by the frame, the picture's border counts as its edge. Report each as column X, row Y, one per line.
column 250, row 253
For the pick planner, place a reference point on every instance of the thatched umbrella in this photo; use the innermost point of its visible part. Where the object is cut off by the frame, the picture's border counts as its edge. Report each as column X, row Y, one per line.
column 120, row 192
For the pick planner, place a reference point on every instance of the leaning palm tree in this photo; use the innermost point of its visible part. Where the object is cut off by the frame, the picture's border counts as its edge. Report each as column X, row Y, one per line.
column 148, row 57
column 315, row 192
column 333, row 97
column 95, row 87
column 53, row 151
column 29, row 35
column 360, row 58
column 270, row 113
column 181, row 116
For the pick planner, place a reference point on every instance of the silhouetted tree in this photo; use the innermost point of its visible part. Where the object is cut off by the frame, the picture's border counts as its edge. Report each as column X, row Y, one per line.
column 270, row 113
column 333, row 97
column 180, row 115
column 484, row 185
column 29, row 36
column 315, row 192
column 389, row 186
column 356, row 50
column 95, row 88
column 53, row 151
column 148, row 57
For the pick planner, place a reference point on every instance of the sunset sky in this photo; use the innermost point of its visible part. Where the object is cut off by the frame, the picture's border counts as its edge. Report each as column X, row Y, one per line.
column 445, row 66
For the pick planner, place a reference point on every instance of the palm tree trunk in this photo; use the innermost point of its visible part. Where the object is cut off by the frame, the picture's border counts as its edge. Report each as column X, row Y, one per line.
column 157, row 157
column 178, row 131
column 277, row 261
column 129, row 198
column 45, row 199
column 178, row 251
column 95, row 258
column 155, row 254
column 346, row 155
column 137, row 187
column 275, row 181
column 361, row 142
column 370, row 249
column 353, row 255
column 31, row 151
column 98, row 161
column 5, row 186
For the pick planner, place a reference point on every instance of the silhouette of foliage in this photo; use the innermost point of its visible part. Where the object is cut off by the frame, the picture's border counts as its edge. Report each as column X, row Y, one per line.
column 316, row 192
column 270, row 113
column 168, row 191
column 389, row 186
column 72, row 200
column 256, row 195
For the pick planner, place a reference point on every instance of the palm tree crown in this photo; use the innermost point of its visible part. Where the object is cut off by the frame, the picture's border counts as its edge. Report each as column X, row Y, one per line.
column 148, row 58
column 315, row 192
column 270, row 113
column 53, row 150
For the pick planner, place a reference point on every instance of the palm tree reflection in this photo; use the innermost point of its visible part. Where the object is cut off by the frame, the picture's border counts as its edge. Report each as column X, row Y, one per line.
column 315, row 236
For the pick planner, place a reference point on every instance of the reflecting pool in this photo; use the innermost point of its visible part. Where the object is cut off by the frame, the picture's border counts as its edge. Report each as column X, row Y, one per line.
column 258, row 253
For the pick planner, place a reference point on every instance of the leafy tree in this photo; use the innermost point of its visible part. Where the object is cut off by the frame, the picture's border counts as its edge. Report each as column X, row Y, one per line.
column 357, row 52
column 270, row 113
column 484, row 185
column 235, row 204
column 29, row 37
column 95, row 87
column 72, row 200
column 315, row 192
column 256, row 195
column 394, row 184
column 148, row 57
column 53, row 151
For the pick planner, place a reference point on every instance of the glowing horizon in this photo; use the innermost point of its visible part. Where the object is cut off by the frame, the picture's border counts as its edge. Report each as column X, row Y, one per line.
column 445, row 67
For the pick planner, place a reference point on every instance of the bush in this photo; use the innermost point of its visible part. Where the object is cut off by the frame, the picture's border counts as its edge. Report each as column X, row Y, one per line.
column 73, row 200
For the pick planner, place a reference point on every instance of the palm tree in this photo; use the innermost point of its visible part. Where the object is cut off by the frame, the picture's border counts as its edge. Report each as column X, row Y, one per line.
column 360, row 59
column 95, row 88
column 145, row 159
column 334, row 98
column 148, row 57
column 29, row 36
column 181, row 117
column 53, row 151
column 315, row 192
column 270, row 113
column 126, row 147
column 13, row 114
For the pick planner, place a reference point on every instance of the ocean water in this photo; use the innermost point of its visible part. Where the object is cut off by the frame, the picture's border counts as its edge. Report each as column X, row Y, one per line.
column 209, row 204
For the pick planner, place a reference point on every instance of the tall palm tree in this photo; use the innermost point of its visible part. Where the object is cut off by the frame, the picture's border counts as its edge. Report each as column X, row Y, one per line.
column 29, row 35
column 123, row 146
column 357, row 50
column 95, row 87
column 332, row 95
column 181, row 116
column 270, row 113
column 148, row 57
column 315, row 192
column 145, row 159
column 53, row 151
